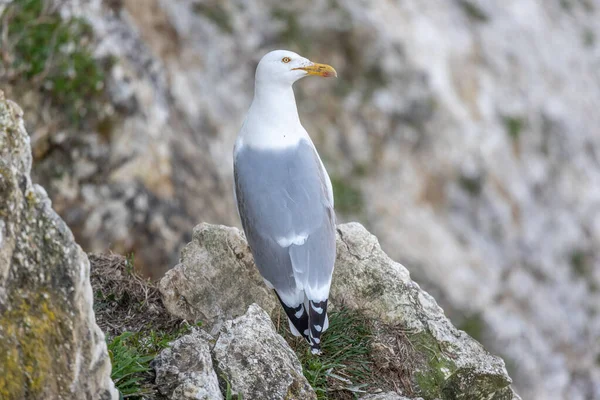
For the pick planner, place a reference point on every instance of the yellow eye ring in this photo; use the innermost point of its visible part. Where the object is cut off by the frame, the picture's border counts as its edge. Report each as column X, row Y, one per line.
column 286, row 59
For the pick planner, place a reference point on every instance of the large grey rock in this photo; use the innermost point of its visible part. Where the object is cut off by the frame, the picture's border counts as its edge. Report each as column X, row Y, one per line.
column 257, row 362
column 366, row 279
column 447, row 362
column 184, row 370
column 216, row 279
column 50, row 345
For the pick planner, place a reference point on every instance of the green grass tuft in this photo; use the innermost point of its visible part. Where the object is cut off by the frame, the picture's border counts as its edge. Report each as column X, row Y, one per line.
column 130, row 365
column 131, row 354
column 345, row 365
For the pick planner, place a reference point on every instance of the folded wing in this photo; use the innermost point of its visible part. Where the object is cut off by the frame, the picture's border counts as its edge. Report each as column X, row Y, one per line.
column 287, row 213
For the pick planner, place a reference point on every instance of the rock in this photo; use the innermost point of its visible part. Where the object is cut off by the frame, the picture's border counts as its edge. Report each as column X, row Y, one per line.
column 386, row 396
column 249, row 355
column 216, row 279
column 456, row 366
column 257, row 362
column 50, row 345
column 184, row 371
column 445, row 362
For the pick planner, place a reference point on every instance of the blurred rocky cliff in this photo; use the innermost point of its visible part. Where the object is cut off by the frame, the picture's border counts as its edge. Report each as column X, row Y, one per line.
column 462, row 133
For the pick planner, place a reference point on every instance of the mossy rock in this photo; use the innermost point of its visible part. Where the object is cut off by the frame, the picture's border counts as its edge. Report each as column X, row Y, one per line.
column 50, row 345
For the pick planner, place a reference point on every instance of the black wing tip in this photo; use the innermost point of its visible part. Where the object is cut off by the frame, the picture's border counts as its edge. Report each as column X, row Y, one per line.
column 310, row 324
column 300, row 323
column 317, row 314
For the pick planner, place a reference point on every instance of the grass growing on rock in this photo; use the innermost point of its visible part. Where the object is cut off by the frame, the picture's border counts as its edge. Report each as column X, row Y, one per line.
column 130, row 312
column 360, row 356
column 129, row 365
column 131, row 354
column 345, row 368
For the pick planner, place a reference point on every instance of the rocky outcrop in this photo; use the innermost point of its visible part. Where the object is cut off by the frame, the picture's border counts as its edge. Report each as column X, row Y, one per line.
column 205, row 285
column 50, row 345
column 366, row 279
column 252, row 360
column 443, row 362
column 257, row 362
column 184, row 371
column 460, row 139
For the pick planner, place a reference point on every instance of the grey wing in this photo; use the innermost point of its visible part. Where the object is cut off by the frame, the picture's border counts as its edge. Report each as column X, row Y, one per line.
column 288, row 218
column 316, row 257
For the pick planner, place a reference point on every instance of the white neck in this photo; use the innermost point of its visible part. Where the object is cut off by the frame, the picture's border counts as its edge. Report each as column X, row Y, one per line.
column 272, row 121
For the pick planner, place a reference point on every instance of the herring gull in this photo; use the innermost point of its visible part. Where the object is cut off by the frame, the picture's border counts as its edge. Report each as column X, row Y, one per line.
column 284, row 195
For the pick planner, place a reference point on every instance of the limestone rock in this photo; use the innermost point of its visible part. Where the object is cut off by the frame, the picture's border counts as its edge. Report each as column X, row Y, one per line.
column 184, row 371
column 448, row 362
column 216, row 279
column 50, row 345
column 257, row 362
column 366, row 279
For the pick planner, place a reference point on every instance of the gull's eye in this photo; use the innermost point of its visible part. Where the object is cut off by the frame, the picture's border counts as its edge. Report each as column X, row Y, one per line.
column 286, row 60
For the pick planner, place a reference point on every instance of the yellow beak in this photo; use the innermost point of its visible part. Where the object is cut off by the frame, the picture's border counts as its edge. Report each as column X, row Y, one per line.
column 320, row 70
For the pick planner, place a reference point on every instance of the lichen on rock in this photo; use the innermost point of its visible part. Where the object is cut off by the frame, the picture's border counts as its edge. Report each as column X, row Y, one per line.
column 50, row 345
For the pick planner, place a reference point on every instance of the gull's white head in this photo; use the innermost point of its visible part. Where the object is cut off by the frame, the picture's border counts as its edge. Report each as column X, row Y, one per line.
column 286, row 67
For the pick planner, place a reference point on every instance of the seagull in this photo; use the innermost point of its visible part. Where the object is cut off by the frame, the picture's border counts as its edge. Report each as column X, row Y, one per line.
column 284, row 196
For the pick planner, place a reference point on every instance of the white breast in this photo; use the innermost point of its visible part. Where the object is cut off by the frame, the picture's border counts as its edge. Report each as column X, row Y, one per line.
column 266, row 138
column 272, row 121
